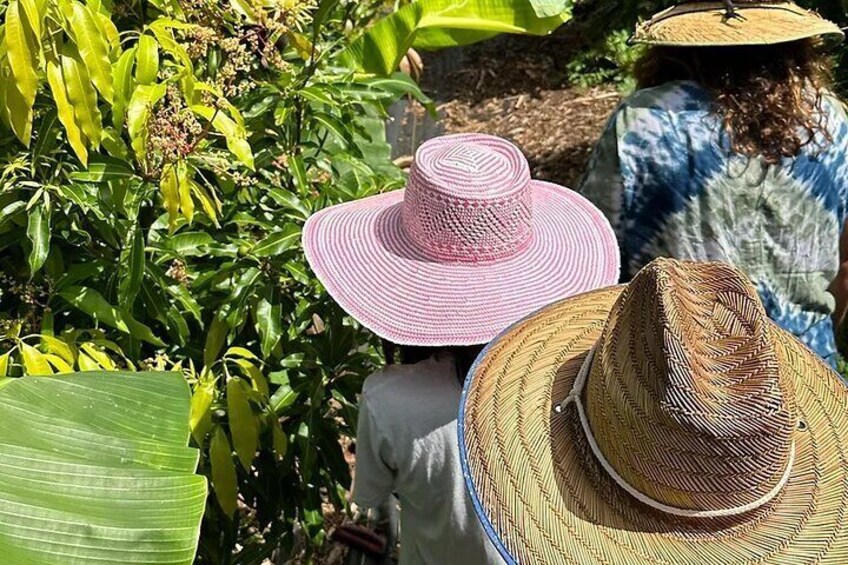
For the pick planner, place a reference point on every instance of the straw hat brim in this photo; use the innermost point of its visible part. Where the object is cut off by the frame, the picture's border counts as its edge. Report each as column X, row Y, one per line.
column 706, row 24
column 364, row 258
column 543, row 498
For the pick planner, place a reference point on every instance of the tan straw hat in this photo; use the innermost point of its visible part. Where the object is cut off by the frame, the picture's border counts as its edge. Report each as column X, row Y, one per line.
column 663, row 422
column 740, row 22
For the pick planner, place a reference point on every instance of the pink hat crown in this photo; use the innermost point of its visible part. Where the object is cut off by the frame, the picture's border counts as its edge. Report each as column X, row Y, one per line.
column 468, row 199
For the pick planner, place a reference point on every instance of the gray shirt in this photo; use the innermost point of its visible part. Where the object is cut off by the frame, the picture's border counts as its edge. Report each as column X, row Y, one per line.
column 407, row 443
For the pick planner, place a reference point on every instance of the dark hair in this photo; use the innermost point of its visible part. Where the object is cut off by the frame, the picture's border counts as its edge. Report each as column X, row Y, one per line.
column 464, row 357
column 769, row 98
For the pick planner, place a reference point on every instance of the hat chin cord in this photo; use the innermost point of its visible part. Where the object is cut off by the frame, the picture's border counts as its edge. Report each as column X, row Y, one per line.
column 574, row 397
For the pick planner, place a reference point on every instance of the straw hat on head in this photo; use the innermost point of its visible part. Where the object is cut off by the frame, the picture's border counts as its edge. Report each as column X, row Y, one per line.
column 469, row 247
column 700, row 23
column 665, row 422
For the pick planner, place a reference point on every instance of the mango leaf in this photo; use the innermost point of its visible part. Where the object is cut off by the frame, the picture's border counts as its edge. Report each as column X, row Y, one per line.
column 138, row 113
column 184, row 187
column 21, row 46
column 201, row 410
column 60, row 365
column 86, row 363
column 147, row 60
column 268, row 315
column 235, row 136
column 243, row 427
column 38, row 232
column 224, row 478
column 73, row 132
column 81, row 95
column 34, row 16
column 122, row 87
column 215, row 340
column 57, row 347
column 4, row 364
column 34, row 362
column 277, row 243
column 251, row 371
column 434, row 24
column 280, row 440
column 92, row 303
column 93, row 48
column 11, row 210
column 119, row 438
column 103, row 360
column 170, row 194
column 131, row 265
column 288, row 200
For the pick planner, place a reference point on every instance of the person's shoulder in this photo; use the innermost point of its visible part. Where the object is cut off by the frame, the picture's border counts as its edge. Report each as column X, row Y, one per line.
column 405, row 380
column 674, row 96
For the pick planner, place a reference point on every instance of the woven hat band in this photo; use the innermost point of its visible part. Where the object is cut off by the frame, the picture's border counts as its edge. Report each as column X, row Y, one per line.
column 468, row 199
column 574, row 397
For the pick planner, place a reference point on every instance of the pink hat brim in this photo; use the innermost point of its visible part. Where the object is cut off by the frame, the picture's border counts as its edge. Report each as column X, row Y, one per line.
column 366, row 262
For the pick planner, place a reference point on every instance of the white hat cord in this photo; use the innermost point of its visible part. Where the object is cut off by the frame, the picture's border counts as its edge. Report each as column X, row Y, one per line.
column 574, row 397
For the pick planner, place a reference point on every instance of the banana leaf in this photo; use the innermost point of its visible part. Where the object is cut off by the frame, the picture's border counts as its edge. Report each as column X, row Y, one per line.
column 435, row 24
column 95, row 468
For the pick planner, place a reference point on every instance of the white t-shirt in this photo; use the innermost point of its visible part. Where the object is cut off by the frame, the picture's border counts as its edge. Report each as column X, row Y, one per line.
column 407, row 443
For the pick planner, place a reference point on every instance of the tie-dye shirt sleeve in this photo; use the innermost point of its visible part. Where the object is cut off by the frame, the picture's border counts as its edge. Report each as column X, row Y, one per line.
column 664, row 177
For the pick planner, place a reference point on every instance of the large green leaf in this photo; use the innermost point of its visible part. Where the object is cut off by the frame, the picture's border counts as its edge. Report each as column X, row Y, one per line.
column 95, row 468
column 93, row 48
column 434, row 24
column 55, row 77
column 81, row 95
column 22, row 46
column 38, row 232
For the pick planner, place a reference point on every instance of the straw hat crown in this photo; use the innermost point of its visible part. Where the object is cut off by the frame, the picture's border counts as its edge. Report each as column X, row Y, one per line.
column 468, row 199
column 685, row 397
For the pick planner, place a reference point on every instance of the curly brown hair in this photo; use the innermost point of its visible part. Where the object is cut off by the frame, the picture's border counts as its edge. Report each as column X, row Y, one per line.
column 769, row 97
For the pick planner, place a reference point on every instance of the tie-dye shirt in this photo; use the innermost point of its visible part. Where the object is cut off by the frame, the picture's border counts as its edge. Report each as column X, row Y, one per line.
column 664, row 177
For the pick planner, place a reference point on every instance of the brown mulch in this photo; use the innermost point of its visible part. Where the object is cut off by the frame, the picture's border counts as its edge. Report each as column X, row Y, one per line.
column 515, row 87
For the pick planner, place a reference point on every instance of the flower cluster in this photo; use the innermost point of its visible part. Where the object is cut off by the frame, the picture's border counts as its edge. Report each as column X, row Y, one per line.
column 173, row 131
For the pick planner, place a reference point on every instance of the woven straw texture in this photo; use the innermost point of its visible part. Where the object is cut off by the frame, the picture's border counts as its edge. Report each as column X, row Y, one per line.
column 472, row 245
column 693, row 397
column 700, row 24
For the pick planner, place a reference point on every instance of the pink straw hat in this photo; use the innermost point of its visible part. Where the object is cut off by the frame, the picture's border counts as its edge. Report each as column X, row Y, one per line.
column 469, row 247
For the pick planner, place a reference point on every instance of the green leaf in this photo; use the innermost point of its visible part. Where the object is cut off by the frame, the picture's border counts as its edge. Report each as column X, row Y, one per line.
column 280, row 441
column 4, row 364
column 11, row 210
column 224, row 478
column 434, row 24
column 92, row 303
column 38, row 232
column 333, row 125
column 122, row 87
column 56, row 80
column 147, row 60
column 548, row 8
column 138, row 114
column 170, row 194
column 93, row 48
column 21, row 46
column 269, row 320
column 201, row 410
column 34, row 361
column 215, row 340
column 104, row 169
column 288, row 200
column 235, row 136
column 57, row 347
column 34, row 16
column 81, row 95
column 96, row 469
column 277, row 243
column 243, row 427
column 132, row 266
column 184, row 186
